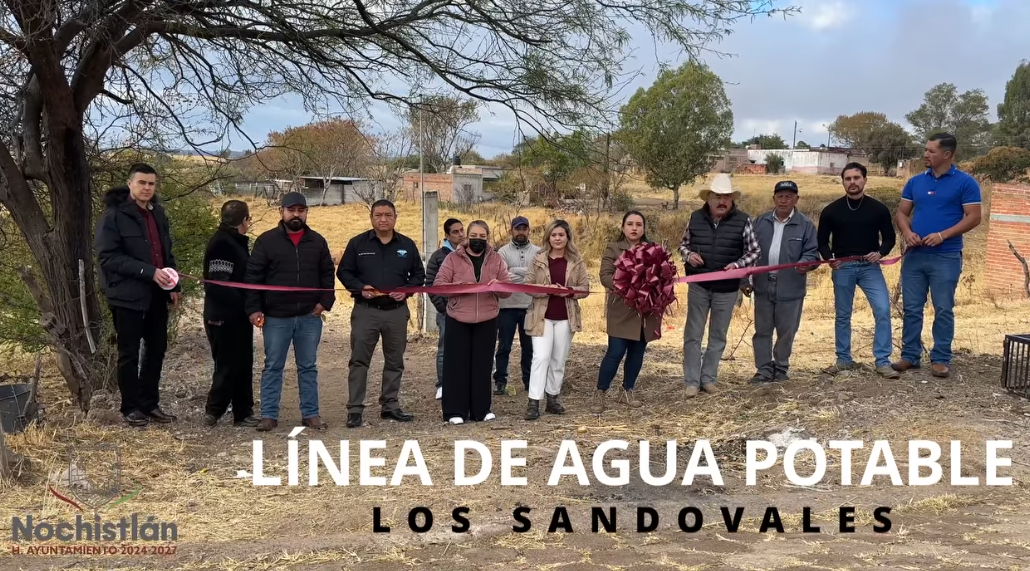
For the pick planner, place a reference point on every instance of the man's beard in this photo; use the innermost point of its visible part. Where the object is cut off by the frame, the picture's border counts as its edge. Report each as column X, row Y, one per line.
column 520, row 240
column 295, row 224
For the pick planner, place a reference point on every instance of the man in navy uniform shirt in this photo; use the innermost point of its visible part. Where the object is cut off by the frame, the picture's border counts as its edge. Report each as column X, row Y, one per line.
column 379, row 260
column 937, row 208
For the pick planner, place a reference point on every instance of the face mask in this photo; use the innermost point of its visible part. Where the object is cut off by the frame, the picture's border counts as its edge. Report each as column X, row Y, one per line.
column 477, row 245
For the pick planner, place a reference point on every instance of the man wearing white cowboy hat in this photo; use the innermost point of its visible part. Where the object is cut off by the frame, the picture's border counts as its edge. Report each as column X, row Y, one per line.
column 719, row 237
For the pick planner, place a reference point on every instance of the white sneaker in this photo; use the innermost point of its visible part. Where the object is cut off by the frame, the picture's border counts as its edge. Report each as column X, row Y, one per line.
column 456, row 420
column 439, row 393
column 489, row 416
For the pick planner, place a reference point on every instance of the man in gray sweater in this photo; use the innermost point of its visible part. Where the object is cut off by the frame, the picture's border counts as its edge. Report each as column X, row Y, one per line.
column 518, row 254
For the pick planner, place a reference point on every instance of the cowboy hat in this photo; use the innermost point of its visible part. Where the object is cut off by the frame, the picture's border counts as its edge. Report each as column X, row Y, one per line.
column 721, row 184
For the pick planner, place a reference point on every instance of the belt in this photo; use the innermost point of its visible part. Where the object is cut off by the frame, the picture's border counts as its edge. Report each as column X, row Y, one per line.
column 381, row 307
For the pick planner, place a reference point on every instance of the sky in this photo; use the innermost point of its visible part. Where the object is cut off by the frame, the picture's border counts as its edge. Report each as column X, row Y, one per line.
column 836, row 57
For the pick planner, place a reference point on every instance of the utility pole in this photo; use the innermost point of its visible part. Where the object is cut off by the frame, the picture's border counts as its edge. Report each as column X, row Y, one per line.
column 795, row 142
column 422, row 194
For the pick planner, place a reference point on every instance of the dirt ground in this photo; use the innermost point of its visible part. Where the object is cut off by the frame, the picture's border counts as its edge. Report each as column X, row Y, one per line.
column 188, row 473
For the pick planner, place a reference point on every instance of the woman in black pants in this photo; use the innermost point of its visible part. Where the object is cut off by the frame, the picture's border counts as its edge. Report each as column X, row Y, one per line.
column 470, row 333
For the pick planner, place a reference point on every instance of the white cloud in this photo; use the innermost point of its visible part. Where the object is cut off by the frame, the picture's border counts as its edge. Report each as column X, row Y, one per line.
column 822, row 15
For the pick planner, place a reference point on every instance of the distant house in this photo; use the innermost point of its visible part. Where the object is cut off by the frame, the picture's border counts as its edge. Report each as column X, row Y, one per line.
column 342, row 190
column 819, row 160
column 490, row 174
column 458, row 186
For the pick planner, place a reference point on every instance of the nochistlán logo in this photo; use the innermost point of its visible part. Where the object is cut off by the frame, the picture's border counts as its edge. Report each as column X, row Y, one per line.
column 402, row 253
column 93, row 479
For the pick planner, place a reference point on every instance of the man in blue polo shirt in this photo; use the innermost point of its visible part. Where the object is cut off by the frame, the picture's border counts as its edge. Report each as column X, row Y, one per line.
column 937, row 208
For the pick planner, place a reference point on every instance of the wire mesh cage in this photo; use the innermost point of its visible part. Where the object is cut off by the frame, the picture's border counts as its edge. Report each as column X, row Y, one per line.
column 1015, row 368
column 16, row 407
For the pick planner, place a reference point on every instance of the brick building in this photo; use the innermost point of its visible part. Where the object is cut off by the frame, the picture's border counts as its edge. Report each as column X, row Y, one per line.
column 458, row 187
column 1009, row 229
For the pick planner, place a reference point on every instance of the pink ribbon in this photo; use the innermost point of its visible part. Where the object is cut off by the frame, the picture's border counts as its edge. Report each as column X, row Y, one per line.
column 654, row 283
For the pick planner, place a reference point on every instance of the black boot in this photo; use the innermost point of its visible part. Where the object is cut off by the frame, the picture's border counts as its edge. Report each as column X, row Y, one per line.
column 554, row 406
column 533, row 410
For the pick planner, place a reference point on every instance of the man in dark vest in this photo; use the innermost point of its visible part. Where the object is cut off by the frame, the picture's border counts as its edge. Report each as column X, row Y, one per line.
column 719, row 237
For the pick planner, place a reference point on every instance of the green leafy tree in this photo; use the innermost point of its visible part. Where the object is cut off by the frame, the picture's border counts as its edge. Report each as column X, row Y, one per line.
column 1003, row 164
column 964, row 115
column 802, row 145
column 855, row 130
column 774, row 142
column 674, row 128
column 1013, row 128
column 887, row 145
column 558, row 156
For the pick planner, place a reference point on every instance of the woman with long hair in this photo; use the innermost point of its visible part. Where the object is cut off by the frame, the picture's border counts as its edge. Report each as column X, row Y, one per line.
column 553, row 319
column 629, row 332
column 470, row 332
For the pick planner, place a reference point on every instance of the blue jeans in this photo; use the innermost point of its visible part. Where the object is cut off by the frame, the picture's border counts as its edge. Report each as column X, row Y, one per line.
column 924, row 271
column 441, row 321
column 304, row 332
column 869, row 277
column 618, row 348
column 510, row 319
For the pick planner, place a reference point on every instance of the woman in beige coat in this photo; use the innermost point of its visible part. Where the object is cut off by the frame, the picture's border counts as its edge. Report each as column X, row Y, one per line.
column 629, row 332
column 552, row 320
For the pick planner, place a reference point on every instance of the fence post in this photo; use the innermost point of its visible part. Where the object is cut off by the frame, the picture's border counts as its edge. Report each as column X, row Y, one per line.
column 430, row 224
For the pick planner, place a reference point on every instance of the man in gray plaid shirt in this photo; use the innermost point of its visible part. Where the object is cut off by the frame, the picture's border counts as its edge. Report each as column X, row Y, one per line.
column 719, row 237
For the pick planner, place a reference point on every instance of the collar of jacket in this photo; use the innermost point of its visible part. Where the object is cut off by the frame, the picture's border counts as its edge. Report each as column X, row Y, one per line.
column 771, row 217
column 541, row 260
column 445, row 243
column 118, row 197
column 286, row 234
column 522, row 247
column 487, row 254
column 233, row 233
column 708, row 213
column 623, row 243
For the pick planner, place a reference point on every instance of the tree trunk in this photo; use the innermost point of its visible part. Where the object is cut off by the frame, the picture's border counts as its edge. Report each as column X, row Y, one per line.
column 57, row 247
column 676, row 198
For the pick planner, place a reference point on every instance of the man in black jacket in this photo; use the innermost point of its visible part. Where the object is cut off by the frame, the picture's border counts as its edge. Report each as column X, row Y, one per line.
column 225, row 319
column 455, row 236
column 375, row 261
column 292, row 254
column 134, row 246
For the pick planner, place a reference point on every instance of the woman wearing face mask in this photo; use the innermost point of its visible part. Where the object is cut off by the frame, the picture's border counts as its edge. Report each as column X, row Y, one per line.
column 628, row 331
column 470, row 332
column 552, row 320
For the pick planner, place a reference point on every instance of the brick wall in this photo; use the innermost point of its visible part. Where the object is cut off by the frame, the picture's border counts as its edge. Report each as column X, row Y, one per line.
column 750, row 169
column 441, row 183
column 1009, row 223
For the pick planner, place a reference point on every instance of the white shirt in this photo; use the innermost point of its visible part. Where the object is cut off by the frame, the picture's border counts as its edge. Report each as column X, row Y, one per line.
column 777, row 239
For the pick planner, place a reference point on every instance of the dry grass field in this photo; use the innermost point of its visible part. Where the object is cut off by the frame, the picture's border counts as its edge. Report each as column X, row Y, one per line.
column 187, row 471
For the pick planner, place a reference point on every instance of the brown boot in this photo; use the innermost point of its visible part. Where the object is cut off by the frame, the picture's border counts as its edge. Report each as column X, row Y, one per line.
column 904, row 365
column 315, row 422
column 597, row 407
column 267, row 424
column 627, row 398
column 691, row 391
